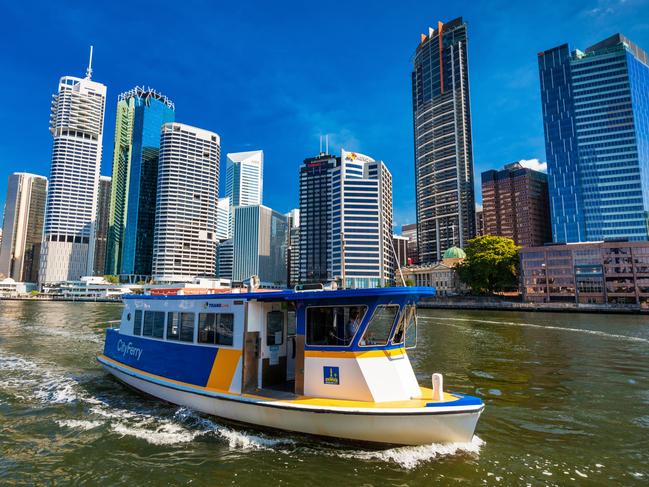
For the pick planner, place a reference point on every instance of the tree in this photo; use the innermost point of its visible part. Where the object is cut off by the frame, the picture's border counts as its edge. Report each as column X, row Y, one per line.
column 491, row 264
column 111, row 279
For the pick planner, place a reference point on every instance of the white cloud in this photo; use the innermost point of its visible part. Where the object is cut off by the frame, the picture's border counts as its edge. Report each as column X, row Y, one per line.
column 534, row 164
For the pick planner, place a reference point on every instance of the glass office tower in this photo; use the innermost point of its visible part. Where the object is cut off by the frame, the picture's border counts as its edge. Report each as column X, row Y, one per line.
column 140, row 115
column 443, row 147
column 596, row 120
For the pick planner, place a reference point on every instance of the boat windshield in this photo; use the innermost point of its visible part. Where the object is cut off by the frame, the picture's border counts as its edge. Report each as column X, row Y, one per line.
column 333, row 325
column 406, row 329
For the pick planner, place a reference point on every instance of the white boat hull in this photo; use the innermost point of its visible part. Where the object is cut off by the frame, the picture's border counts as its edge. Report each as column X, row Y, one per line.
column 368, row 426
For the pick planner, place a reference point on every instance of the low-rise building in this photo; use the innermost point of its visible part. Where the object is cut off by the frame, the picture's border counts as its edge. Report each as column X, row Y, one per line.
column 441, row 275
column 613, row 273
column 9, row 288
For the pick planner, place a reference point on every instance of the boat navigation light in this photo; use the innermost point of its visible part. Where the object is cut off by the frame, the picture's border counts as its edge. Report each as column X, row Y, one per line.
column 438, row 387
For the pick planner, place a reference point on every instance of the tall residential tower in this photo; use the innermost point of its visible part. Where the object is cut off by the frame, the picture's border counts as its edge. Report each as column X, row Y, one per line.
column 22, row 228
column 596, row 120
column 77, row 127
column 184, row 244
column 443, row 147
column 140, row 115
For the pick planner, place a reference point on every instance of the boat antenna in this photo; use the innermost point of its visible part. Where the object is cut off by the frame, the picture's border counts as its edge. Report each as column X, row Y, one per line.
column 89, row 70
column 396, row 259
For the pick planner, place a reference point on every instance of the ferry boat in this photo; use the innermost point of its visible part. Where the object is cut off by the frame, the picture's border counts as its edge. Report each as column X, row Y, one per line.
column 331, row 363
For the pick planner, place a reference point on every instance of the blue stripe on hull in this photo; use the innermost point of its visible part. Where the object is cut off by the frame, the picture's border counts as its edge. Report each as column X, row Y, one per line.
column 177, row 361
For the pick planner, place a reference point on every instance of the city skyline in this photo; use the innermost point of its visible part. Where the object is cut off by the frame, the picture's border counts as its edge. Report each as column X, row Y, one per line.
column 504, row 93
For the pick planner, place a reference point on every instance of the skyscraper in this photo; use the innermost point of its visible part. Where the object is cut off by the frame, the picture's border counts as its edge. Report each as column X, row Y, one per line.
column 140, row 115
column 22, row 228
column 260, row 238
column 103, row 212
column 77, row 127
column 361, row 229
column 244, row 178
column 515, row 205
column 443, row 147
column 293, row 249
column 224, row 256
column 223, row 220
column 315, row 218
column 409, row 231
column 184, row 244
column 596, row 120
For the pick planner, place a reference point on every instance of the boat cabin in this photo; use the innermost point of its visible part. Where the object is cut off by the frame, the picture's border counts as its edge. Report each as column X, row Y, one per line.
column 343, row 344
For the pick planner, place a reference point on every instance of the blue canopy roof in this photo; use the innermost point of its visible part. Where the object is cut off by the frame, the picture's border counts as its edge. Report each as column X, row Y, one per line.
column 291, row 295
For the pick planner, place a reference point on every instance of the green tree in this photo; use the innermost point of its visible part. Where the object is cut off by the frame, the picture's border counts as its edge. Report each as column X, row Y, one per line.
column 491, row 264
column 111, row 279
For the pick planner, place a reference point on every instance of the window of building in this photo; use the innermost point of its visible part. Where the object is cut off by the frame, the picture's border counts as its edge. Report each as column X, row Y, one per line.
column 216, row 328
column 380, row 325
column 154, row 324
column 137, row 324
column 333, row 325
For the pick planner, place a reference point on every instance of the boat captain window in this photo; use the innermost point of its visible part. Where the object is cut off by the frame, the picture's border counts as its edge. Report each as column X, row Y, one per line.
column 333, row 325
column 380, row 325
column 154, row 324
column 137, row 324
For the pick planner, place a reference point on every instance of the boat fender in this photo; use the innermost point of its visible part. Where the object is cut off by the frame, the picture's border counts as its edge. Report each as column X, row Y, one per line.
column 438, row 387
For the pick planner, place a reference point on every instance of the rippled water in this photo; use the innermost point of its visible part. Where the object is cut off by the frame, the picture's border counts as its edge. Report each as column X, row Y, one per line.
column 567, row 403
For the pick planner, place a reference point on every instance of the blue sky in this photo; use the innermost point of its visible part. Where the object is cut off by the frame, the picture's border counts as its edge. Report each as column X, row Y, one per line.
column 276, row 75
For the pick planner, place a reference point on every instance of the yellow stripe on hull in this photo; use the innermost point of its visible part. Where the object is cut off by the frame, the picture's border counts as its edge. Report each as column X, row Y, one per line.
column 223, row 369
column 396, row 352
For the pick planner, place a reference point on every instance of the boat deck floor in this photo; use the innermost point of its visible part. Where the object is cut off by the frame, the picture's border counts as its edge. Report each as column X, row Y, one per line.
column 289, row 397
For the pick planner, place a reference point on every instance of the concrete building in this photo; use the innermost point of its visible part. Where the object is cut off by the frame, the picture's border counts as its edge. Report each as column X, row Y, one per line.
column 596, row 120
column 141, row 112
column 223, row 219
column 361, row 228
column 479, row 220
column 224, row 259
column 614, row 273
column 244, row 180
column 410, row 232
column 260, row 241
column 22, row 227
column 293, row 249
column 103, row 214
column 441, row 275
column 515, row 205
column 316, row 218
column 77, row 127
column 184, row 244
column 443, row 144
column 400, row 244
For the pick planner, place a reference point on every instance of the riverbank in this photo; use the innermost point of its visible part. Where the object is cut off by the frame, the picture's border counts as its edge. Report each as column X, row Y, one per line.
column 465, row 302
column 494, row 304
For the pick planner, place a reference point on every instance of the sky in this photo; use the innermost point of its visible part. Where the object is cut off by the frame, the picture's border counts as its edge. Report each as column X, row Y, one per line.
column 277, row 75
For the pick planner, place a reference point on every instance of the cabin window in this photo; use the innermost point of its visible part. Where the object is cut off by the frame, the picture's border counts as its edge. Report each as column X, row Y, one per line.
column 406, row 328
column 180, row 326
column 154, row 324
column 380, row 325
column 216, row 328
column 137, row 324
column 275, row 328
column 333, row 325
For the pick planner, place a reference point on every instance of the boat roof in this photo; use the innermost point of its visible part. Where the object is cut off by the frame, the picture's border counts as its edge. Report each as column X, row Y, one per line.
column 291, row 295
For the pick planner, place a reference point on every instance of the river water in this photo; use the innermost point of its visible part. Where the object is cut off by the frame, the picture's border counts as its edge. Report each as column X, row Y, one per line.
column 567, row 404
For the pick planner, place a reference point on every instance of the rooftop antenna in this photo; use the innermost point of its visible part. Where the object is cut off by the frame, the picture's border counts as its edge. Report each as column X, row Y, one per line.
column 89, row 70
column 320, row 144
column 327, row 143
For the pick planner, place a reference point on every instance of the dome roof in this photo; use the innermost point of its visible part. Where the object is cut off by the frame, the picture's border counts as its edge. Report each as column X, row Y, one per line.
column 454, row 253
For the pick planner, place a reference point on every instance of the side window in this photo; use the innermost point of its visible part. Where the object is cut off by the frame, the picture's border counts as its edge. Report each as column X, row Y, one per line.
column 137, row 324
column 172, row 326
column 154, row 324
column 333, row 325
column 216, row 328
column 275, row 328
column 186, row 327
column 379, row 328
